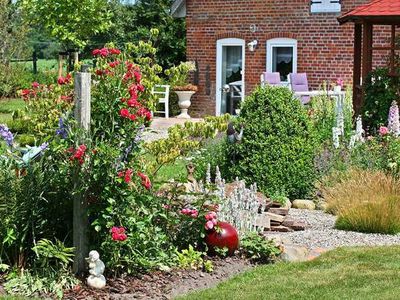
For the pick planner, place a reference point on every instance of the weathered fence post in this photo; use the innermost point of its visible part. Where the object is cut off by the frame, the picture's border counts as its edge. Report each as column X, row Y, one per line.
column 80, row 217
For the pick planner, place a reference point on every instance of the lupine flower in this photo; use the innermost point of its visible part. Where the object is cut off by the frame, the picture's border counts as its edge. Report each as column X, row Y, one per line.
column 118, row 234
column 62, row 129
column 383, row 130
column 393, row 119
column 6, row 134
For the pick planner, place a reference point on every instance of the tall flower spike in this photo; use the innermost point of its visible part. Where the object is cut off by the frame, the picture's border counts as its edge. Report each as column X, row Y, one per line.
column 208, row 174
column 393, row 119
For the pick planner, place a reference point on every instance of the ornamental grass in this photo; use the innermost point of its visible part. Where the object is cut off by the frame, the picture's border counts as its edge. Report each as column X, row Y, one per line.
column 365, row 201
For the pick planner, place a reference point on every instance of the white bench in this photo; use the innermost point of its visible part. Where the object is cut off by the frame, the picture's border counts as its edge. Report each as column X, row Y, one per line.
column 162, row 94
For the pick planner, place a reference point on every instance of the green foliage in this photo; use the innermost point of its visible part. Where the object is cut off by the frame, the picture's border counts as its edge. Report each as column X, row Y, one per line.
column 215, row 153
column 322, row 112
column 134, row 23
column 190, row 259
column 258, row 248
column 380, row 91
column 178, row 76
column 183, row 139
column 277, row 150
column 71, row 22
column 31, row 284
column 54, row 256
column 12, row 33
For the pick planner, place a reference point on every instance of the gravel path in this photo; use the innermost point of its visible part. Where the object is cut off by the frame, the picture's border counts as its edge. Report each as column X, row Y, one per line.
column 322, row 234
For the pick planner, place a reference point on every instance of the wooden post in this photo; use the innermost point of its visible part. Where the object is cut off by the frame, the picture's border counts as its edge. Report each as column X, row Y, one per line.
column 80, row 217
column 393, row 51
column 367, row 50
column 34, row 61
column 357, row 91
column 76, row 57
column 60, row 64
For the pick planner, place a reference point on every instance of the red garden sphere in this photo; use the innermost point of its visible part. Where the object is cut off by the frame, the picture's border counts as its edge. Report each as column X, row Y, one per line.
column 225, row 236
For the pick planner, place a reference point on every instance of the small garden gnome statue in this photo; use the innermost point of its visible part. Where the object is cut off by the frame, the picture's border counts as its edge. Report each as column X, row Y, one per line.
column 96, row 269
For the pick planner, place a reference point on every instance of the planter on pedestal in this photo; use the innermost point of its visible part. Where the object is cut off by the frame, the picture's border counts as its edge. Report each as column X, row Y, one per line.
column 184, row 103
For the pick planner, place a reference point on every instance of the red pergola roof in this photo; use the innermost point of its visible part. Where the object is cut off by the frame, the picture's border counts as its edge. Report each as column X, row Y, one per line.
column 377, row 9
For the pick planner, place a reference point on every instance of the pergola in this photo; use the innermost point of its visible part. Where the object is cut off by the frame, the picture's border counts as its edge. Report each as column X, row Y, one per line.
column 364, row 17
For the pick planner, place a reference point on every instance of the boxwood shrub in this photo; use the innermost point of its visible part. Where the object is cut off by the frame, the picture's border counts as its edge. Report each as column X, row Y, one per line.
column 277, row 149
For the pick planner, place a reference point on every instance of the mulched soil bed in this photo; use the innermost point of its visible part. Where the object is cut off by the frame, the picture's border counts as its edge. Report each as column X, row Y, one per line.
column 162, row 285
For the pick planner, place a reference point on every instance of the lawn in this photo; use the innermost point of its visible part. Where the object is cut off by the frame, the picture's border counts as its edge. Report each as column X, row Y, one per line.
column 7, row 107
column 348, row 273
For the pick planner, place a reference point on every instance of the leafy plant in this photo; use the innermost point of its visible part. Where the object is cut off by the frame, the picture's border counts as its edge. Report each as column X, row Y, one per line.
column 179, row 76
column 54, row 256
column 380, row 91
column 277, row 151
column 258, row 248
column 192, row 259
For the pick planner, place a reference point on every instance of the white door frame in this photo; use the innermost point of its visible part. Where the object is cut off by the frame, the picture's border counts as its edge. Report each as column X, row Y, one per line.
column 220, row 44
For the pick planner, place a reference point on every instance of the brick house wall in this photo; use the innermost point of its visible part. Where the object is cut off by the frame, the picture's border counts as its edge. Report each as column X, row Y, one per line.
column 324, row 50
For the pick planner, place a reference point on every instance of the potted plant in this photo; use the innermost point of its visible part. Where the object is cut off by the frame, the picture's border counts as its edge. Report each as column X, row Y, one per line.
column 179, row 81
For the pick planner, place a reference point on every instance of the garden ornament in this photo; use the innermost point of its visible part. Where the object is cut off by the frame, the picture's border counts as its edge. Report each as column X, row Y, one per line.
column 233, row 135
column 191, row 185
column 96, row 269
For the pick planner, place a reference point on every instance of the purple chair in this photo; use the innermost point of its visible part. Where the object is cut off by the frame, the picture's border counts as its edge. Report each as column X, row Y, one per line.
column 273, row 79
column 299, row 83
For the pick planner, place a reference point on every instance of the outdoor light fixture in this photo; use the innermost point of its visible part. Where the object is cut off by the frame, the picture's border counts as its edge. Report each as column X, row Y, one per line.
column 252, row 45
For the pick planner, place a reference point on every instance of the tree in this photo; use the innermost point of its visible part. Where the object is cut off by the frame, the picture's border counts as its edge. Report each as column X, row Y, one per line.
column 12, row 31
column 132, row 23
column 71, row 22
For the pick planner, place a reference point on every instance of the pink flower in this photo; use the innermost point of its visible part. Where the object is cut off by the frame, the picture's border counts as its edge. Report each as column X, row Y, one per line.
column 115, row 51
column 166, row 206
column 35, row 85
column 118, row 234
column 209, row 225
column 383, row 130
column 128, row 176
column 340, row 82
column 104, row 52
column 145, row 181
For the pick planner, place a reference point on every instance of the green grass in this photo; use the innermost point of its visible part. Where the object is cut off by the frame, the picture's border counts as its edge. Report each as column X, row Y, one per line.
column 348, row 273
column 176, row 171
column 7, row 107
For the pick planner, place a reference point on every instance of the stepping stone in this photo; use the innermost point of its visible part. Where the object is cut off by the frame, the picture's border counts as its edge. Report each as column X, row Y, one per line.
column 275, row 217
column 279, row 211
column 281, row 228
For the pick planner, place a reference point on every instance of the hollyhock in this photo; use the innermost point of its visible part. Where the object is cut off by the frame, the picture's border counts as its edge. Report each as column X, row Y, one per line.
column 145, row 181
column 124, row 113
column 35, row 85
column 383, row 130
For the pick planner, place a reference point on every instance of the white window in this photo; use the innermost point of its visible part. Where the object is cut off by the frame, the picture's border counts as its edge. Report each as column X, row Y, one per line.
column 282, row 57
column 326, row 6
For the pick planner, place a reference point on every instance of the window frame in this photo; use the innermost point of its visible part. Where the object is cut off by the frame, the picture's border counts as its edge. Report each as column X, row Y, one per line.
column 281, row 42
column 325, row 6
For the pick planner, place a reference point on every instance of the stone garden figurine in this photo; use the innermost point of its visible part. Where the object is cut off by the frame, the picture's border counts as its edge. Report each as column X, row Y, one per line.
column 233, row 135
column 96, row 269
column 192, row 185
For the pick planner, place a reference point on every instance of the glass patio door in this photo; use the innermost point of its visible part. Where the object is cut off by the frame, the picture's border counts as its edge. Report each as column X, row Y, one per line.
column 230, row 70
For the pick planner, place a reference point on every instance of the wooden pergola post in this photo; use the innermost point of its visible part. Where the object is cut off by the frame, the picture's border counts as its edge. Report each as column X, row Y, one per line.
column 367, row 50
column 357, row 90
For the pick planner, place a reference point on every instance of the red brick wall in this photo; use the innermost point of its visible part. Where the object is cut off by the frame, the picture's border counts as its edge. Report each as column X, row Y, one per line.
column 325, row 49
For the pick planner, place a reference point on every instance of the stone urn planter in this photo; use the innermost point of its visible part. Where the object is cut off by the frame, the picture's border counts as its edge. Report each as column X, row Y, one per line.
column 337, row 88
column 225, row 236
column 184, row 103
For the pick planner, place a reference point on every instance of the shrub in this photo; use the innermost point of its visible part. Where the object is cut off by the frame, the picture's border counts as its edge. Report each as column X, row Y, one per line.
column 365, row 201
column 277, row 150
column 258, row 248
column 380, row 92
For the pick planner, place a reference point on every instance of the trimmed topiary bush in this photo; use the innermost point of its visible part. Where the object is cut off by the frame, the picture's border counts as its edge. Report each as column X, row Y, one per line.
column 277, row 150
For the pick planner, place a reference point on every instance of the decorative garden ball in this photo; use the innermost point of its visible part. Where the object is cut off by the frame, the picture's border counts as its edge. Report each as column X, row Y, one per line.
column 225, row 236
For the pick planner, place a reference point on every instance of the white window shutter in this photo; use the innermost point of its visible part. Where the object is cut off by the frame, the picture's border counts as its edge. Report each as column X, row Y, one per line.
column 326, row 6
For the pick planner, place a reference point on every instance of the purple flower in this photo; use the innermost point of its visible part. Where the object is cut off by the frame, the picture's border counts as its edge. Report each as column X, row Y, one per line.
column 62, row 129
column 6, row 134
column 44, row 146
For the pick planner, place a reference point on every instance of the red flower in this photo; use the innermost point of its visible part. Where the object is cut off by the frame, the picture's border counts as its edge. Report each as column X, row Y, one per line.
column 104, row 52
column 25, row 93
column 64, row 80
column 113, row 64
column 140, row 88
column 115, row 51
column 133, row 103
column 99, row 72
column 35, row 85
column 138, row 76
column 78, row 154
column 96, row 52
column 124, row 113
column 132, row 117
column 145, row 180
column 128, row 176
column 118, row 234
column 143, row 112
